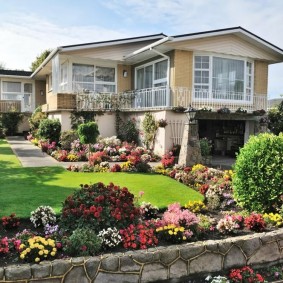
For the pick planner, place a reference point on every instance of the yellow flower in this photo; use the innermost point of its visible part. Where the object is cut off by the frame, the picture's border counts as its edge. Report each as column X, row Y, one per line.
column 22, row 256
column 176, row 229
column 22, row 246
column 37, row 259
column 40, row 252
column 170, row 232
column 46, row 252
column 28, row 250
column 175, row 233
column 40, row 247
column 52, row 253
column 32, row 246
column 184, row 238
column 54, row 250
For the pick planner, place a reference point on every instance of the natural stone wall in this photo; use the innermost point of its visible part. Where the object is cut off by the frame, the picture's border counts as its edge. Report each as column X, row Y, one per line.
column 156, row 263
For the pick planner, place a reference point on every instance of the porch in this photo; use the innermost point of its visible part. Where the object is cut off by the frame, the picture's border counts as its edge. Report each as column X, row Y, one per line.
column 10, row 106
column 165, row 97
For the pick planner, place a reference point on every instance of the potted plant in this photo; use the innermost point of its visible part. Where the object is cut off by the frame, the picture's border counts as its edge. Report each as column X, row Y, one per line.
column 179, row 109
column 241, row 110
column 162, row 123
column 223, row 110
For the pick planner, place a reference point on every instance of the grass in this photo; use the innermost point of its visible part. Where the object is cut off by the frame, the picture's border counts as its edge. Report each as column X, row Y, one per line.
column 24, row 189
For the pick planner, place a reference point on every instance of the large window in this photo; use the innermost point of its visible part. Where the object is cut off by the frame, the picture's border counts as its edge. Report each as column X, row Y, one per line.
column 15, row 90
column 93, row 78
column 64, row 76
column 152, row 75
column 222, row 78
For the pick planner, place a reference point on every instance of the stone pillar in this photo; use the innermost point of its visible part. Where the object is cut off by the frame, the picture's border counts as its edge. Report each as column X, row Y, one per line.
column 190, row 153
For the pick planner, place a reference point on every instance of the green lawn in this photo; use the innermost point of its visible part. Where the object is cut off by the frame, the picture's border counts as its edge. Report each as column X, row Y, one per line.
column 24, row 189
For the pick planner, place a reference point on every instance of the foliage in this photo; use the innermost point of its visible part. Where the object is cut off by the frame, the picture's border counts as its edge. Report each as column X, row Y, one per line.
column 4, row 246
column 205, row 147
column 82, row 242
column 10, row 222
column 162, row 123
column 39, row 59
column 37, row 249
column 140, row 236
column 49, row 130
column 9, row 122
column 99, row 206
column 88, row 132
column 224, row 110
column 274, row 219
column 110, row 237
column 148, row 211
column 245, row 275
column 35, row 119
column 275, row 117
column 196, row 206
column 258, row 178
column 255, row 222
column 97, row 157
column 80, row 117
column 128, row 131
column 150, row 127
column 229, row 224
column 66, row 139
column 42, row 216
column 167, row 160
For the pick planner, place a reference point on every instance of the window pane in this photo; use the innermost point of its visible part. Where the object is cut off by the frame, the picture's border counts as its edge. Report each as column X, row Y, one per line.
column 11, row 87
column 83, row 77
column 148, row 76
column 28, row 88
column 104, row 74
column 104, row 88
column 140, row 78
column 161, row 70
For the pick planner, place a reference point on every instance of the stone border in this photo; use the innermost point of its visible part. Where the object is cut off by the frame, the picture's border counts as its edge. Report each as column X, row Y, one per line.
column 154, row 264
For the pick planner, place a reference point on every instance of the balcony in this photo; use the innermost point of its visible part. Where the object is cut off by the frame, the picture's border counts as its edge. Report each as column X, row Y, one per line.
column 11, row 106
column 166, row 98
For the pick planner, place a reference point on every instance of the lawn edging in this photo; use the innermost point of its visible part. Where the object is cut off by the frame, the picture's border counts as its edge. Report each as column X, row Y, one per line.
column 154, row 264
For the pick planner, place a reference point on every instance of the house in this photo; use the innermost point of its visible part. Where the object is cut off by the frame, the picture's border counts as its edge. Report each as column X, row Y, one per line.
column 19, row 92
column 226, row 68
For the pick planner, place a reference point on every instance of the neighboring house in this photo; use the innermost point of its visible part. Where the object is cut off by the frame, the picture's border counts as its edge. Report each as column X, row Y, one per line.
column 19, row 92
column 215, row 69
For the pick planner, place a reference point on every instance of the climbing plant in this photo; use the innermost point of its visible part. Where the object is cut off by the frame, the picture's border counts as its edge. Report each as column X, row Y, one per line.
column 150, row 126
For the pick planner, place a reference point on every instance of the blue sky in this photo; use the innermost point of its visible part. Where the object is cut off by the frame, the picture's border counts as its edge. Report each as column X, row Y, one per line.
column 29, row 27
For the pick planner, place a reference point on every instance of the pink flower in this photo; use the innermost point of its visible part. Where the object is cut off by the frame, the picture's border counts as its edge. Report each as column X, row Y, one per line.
column 141, row 193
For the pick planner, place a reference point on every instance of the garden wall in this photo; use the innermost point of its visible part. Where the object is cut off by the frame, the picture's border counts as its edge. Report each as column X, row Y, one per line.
column 156, row 263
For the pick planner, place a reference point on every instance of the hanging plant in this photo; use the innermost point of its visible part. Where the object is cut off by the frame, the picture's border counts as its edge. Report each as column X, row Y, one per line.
column 162, row 123
column 150, row 126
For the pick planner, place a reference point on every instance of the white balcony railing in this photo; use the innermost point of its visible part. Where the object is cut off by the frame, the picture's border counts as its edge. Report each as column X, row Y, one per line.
column 165, row 98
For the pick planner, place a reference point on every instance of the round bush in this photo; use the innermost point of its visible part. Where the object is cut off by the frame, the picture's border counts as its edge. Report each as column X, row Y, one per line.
column 98, row 207
column 66, row 139
column 49, row 130
column 258, row 179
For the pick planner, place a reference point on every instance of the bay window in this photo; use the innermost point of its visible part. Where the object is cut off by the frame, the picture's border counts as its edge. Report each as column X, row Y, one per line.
column 15, row 90
column 222, row 78
column 93, row 78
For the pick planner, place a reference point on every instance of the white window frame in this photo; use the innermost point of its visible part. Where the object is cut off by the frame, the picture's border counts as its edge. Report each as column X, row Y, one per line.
column 64, row 75
column 50, row 88
column 152, row 63
column 210, row 92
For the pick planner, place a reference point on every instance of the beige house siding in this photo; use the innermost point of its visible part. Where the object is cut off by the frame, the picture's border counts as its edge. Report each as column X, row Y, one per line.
column 260, row 77
column 124, row 84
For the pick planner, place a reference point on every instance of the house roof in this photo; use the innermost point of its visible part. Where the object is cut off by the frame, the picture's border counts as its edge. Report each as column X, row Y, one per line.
column 135, row 49
column 16, row 73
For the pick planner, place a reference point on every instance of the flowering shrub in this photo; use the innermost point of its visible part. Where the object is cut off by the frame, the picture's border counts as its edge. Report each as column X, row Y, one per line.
column 167, row 160
column 82, row 242
column 245, row 275
column 148, row 211
column 60, row 155
column 10, row 222
column 97, row 157
column 274, row 219
column 42, row 216
column 72, row 157
column 217, row 279
column 128, row 166
column 196, row 206
column 115, row 168
column 140, row 236
column 37, row 249
column 110, row 237
column 173, row 234
column 47, row 147
column 98, row 206
column 255, row 222
column 4, row 246
column 228, row 224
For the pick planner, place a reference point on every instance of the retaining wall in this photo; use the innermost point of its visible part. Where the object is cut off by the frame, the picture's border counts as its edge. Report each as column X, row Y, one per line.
column 156, row 263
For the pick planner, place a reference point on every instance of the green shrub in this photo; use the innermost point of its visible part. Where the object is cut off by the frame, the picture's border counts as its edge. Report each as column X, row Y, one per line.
column 35, row 119
column 99, row 206
column 49, row 130
column 82, row 242
column 205, row 147
column 150, row 126
column 128, row 131
column 258, row 179
column 9, row 122
column 66, row 138
column 88, row 132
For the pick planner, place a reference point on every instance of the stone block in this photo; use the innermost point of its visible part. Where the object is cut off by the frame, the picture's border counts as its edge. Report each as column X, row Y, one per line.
column 178, row 269
column 224, row 246
column 211, row 246
column 168, row 256
column 60, row 267
column 1, row 273
column 41, row 270
column 76, row 274
column 267, row 253
column 92, row 266
column 191, row 250
column 110, row 263
column 145, row 257
column 250, row 246
column 116, row 278
column 207, row 262
column 47, row 280
column 268, row 237
column 128, row 264
column 17, row 272
column 234, row 258
column 153, row 272
column 78, row 261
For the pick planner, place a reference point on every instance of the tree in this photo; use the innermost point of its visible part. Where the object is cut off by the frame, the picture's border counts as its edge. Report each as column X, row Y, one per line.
column 39, row 59
column 275, row 117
